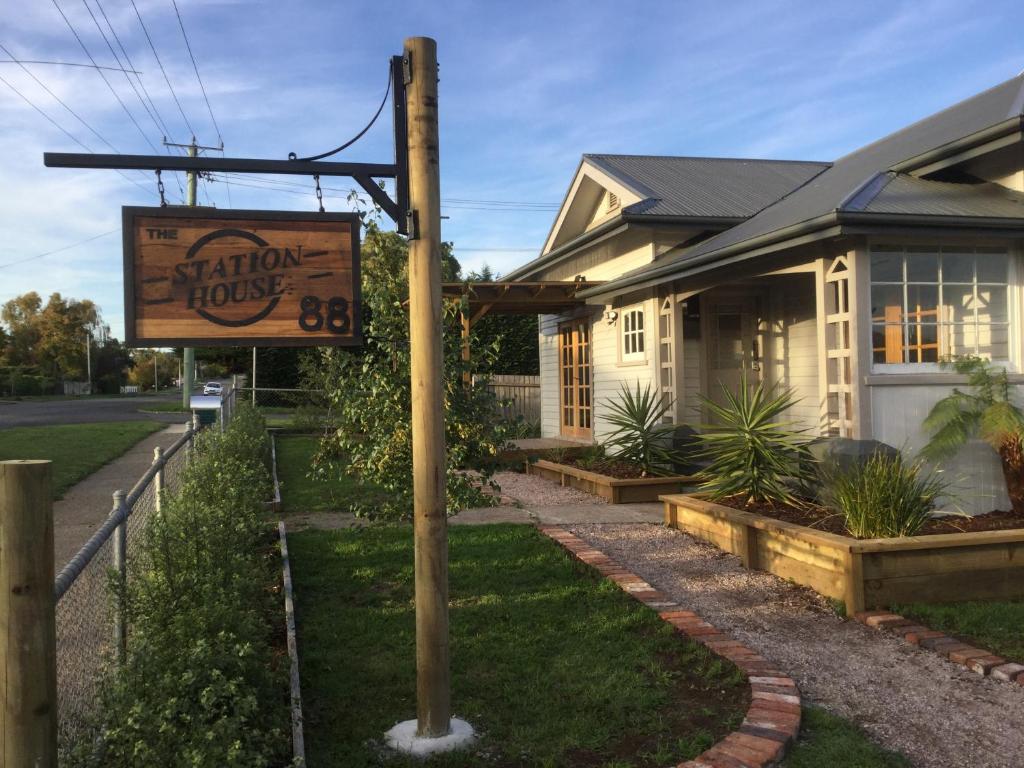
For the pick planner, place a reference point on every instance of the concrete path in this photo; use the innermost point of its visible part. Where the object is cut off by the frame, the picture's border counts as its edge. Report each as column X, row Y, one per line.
column 86, row 505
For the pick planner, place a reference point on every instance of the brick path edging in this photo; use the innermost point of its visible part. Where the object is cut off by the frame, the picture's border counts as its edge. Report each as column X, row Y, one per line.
column 773, row 719
column 975, row 659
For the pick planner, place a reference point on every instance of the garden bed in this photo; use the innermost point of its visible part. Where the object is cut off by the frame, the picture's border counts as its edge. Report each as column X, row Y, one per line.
column 616, row 490
column 863, row 573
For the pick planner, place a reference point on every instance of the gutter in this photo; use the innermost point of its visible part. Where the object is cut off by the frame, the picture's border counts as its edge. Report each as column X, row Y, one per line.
column 782, row 237
column 1012, row 125
column 614, row 227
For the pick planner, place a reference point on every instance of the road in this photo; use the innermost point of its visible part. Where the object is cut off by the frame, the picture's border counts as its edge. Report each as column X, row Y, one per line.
column 33, row 413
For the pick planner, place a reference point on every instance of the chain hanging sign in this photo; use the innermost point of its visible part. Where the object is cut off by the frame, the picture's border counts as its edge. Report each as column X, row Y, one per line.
column 206, row 277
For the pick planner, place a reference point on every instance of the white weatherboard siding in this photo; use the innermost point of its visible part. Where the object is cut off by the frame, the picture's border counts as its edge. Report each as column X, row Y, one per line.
column 549, row 423
column 610, row 374
column 896, row 416
column 791, row 345
column 693, row 359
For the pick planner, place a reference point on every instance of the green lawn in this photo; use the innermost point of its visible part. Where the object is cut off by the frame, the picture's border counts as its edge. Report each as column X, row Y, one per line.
column 300, row 493
column 827, row 741
column 996, row 626
column 76, row 450
column 553, row 666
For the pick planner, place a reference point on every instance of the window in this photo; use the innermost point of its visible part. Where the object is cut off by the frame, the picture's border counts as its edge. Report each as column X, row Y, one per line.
column 633, row 334
column 932, row 304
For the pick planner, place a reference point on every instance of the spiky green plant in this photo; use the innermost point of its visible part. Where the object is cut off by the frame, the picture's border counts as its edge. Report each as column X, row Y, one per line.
column 885, row 497
column 985, row 411
column 754, row 452
column 641, row 436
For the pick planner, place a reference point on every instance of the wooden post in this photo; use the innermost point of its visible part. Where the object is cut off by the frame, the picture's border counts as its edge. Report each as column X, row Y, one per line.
column 467, row 327
column 28, row 640
column 433, row 701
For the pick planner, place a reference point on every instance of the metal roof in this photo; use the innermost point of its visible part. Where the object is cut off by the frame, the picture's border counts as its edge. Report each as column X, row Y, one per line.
column 705, row 187
column 997, row 110
column 897, row 193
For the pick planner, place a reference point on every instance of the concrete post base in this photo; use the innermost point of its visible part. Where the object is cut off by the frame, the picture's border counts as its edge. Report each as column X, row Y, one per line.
column 402, row 738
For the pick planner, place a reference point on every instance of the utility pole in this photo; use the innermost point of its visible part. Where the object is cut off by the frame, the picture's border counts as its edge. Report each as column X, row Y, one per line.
column 188, row 352
column 433, row 692
column 88, row 360
column 253, row 384
column 156, row 377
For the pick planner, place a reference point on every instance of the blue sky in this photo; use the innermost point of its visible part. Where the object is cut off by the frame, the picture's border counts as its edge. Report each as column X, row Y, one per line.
column 526, row 88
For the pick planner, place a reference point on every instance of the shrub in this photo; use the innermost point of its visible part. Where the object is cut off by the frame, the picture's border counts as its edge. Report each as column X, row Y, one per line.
column 200, row 684
column 641, row 436
column 885, row 497
column 753, row 454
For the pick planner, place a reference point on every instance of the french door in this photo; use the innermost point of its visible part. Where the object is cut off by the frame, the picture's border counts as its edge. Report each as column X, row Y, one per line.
column 576, row 407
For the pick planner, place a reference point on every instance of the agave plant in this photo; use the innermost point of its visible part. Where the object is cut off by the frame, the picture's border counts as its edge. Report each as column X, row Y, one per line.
column 986, row 412
column 753, row 454
column 641, row 436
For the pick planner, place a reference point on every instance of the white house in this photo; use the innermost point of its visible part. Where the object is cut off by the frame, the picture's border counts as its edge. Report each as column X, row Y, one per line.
column 848, row 281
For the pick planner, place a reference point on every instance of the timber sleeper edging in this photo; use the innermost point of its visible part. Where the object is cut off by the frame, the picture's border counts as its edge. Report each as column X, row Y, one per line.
column 976, row 660
column 773, row 718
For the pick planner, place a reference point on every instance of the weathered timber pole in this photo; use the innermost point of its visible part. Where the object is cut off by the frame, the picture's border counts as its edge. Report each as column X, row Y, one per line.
column 189, row 353
column 28, row 638
column 433, row 696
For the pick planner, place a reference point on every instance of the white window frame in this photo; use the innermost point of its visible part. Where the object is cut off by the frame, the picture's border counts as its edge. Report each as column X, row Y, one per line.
column 1013, row 305
column 633, row 341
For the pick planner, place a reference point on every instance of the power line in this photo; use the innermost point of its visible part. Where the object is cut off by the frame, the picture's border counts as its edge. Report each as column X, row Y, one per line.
column 196, row 68
column 100, row 72
column 154, row 114
column 62, row 129
column 67, row 64
column 167, row 80
column 60, row 250
column 128, row 60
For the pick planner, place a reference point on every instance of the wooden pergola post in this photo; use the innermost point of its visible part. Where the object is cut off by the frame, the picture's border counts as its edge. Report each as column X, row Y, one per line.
column 467, row 328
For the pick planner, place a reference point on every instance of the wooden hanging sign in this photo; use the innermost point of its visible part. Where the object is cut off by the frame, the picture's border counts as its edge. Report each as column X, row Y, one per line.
column 207, row 277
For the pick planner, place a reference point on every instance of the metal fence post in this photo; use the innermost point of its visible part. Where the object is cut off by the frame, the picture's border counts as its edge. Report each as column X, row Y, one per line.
column 28, row 642
column 158, row 478
column 119, row 550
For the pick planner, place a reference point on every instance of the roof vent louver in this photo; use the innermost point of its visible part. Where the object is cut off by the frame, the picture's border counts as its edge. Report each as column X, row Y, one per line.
column 613, row 201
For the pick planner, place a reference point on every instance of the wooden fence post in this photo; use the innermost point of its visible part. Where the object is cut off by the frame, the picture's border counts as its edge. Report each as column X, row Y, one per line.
column 28, row 637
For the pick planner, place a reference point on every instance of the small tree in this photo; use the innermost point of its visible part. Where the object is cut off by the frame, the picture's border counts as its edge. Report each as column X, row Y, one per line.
column 985, row 411
column 370, row 397
column 641, row 435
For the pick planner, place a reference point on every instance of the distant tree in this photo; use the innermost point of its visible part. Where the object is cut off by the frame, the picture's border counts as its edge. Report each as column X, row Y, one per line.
column 50, row 337
column 21, row 315
column 142, row 372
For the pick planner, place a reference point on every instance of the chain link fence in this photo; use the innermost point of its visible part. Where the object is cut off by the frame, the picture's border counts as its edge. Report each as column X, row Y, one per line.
column 90, row 628
column 302, row 409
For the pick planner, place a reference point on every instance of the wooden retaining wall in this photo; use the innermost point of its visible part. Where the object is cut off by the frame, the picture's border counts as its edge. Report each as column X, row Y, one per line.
column 863, row 573
column 614, row 490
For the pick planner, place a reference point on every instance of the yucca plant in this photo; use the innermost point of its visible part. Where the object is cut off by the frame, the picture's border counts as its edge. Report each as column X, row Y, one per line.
column 885, row 497
column 985, row 411
column 641, row 436
column 753, row 452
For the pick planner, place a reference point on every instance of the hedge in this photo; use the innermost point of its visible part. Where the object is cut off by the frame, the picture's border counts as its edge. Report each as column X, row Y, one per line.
column 202, row 684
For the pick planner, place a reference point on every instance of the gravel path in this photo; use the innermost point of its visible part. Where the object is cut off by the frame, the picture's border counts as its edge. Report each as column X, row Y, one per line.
column 909, row 700
column 533, row 491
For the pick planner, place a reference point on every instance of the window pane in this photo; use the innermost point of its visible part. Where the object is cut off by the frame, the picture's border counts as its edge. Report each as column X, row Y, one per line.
column 887, row 342
column 958, row 303
column 886, row 267
column 922, row 267
column 886, row 302
column 992, row 304
column 640, row 341
column 639, row 322
column 922, row 303
column 957, row 267
column 956, row 340
column 992, row 266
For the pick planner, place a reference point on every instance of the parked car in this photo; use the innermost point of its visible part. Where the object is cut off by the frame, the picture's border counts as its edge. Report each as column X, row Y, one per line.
column 213, row 388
